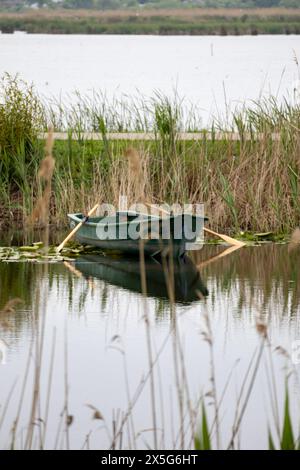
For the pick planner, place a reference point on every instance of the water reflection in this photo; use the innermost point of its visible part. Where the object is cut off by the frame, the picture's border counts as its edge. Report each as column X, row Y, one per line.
column 252, row 280
column 265, row 274
column 164, row 278
column 100, row 297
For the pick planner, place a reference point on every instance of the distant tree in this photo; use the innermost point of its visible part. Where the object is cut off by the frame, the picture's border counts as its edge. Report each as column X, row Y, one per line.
column 115, row 4
column 290, row 3
column 99, row 4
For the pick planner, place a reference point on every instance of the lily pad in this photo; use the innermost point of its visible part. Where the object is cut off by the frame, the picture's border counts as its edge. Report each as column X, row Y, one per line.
column 264, row 235
column 29, row 248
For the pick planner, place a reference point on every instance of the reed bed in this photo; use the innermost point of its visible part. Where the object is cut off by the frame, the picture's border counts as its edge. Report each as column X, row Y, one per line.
column 198, row 424
column 249, row 184
column 197, row 21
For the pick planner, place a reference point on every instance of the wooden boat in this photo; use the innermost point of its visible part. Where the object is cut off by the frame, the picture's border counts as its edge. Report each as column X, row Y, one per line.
column 182, row 274
column 134, row 233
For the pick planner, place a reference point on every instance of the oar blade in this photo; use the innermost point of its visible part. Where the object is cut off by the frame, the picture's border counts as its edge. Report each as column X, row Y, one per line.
column 232, row 241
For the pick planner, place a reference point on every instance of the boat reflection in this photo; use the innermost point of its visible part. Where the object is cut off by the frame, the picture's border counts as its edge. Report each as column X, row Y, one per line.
column 178, row 279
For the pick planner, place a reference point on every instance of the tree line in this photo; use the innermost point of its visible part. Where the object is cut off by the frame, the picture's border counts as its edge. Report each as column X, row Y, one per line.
column 124, row 4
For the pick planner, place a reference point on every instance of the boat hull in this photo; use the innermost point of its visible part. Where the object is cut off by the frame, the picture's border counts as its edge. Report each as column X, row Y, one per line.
column 164, row 236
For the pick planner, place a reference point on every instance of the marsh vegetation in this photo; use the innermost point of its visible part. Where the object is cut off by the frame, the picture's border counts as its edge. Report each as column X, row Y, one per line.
column 246, row 170
column 193, row 21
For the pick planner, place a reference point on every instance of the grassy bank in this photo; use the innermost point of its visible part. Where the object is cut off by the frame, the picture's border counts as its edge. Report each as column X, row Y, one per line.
column 246, row 185
column 165, row 22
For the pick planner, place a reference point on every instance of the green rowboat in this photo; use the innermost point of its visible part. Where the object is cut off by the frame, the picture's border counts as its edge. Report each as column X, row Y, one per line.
column 134, row 233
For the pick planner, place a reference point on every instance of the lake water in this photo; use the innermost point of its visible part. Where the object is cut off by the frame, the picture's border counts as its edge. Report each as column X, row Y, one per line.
column 92, row 316
column 212, row 72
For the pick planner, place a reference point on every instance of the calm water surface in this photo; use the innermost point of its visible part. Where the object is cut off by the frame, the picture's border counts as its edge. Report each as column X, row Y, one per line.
column 209, row 71
column 90, row 317
column 95, row 317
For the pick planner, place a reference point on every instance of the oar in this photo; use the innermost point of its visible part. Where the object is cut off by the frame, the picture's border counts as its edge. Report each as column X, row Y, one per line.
column 158, row 209
column 91, row 212
column 226, row 238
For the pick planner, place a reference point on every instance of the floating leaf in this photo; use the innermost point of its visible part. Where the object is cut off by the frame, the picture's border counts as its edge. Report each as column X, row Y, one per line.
column 38, row 244
column 28, row 248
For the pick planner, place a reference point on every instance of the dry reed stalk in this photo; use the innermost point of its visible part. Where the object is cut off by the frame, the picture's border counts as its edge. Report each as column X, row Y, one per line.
column 47, row 165
column 255, row 366
column 36, row 386
column 41, row 209
column 40, row 213
column 208, row 337
column 4, row 407
column 273, row 390
column 22, row 395
column 136, row 179
column 138, row 392
column 149, row 342
column 176, row 346
column 39, row 337
column 67, row 417
column 49, row 388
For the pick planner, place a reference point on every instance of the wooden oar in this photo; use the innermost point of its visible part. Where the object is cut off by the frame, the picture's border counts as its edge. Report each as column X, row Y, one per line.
column 71, row 234
column 226, row 238
column 158, row 209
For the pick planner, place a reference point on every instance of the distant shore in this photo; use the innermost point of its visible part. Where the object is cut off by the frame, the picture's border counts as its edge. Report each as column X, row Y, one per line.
column 196, row 21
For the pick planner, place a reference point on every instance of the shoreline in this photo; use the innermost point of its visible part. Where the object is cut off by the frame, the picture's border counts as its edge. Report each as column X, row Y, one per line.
column 194, row 21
